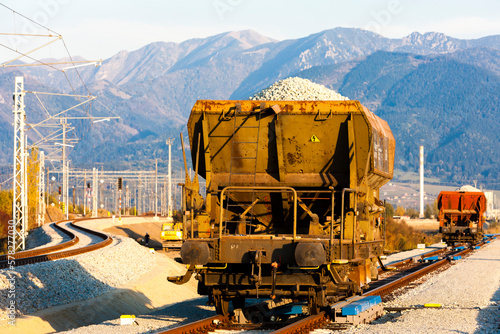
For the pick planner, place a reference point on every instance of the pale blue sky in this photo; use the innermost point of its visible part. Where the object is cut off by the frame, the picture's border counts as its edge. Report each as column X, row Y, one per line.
column 100, row 29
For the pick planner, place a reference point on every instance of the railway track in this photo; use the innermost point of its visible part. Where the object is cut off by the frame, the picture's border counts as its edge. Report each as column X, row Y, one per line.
column 406, row 262
column 62, row 250
column 44, row 250
column 407, row 275
column 408, row 272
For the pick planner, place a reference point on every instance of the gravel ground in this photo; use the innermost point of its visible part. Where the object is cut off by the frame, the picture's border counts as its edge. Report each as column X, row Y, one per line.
column 297, row 89
column 184, row 312
column 43, row 285
column 469, row 292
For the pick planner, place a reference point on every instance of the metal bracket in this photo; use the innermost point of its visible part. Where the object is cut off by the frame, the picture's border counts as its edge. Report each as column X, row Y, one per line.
column 319, row 118
column 384, row 268
column 335, row 275
column 257, row 261
column 182, row 279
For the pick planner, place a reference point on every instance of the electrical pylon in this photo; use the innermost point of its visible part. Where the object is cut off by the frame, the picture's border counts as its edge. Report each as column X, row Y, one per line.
column 19, row 185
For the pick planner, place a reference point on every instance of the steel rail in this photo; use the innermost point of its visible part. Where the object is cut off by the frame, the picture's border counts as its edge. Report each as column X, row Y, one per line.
column 200, row 326
column 39, row 251
column 63, row 254
column 305, row 325
column 405, row 280
column 410, row 260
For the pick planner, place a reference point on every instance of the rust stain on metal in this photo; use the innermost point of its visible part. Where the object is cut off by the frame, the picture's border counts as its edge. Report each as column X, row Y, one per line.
column 294, row 158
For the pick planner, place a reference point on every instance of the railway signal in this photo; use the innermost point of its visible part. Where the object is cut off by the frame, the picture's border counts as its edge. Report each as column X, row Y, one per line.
column 120, row 187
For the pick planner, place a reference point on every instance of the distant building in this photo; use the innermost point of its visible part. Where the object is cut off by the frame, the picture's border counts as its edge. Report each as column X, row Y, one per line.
column 491, row 212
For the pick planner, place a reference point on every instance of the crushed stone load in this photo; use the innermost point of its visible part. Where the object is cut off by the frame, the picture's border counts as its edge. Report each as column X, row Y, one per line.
column 297, row 89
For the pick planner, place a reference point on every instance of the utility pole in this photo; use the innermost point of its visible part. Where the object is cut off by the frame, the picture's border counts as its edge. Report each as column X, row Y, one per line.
column 101, row 205
column 144, row 197
column 84, row 191
column 163, row 199
column 48, row 186
column 66, row 191
column 64, row 168
column 120, row 206
column 127, row 199
column 156, row 189
column 421, row 181
column 95, row 187
column 169, row 201
column 41, row 190
column 19, row 184
column 140, row 202
column 176, row 197
column 135, row 198
column 120, row 187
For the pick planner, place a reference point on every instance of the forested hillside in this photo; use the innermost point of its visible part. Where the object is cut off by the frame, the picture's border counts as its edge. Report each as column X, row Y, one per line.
column 450, row 107
column 434, row 90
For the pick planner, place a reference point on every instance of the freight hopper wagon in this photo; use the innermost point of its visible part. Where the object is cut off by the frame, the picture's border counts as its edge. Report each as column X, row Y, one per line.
column 292, row 207
column 461, row 216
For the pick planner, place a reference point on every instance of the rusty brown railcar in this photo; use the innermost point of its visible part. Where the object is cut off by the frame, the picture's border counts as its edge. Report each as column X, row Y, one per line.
column 292, row 205
column 461, row 216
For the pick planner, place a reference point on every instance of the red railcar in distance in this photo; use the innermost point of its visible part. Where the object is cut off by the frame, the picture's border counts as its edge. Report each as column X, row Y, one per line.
column 461, row 216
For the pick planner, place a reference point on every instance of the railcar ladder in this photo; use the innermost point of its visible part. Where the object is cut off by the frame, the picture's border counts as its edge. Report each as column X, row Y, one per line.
column 251, row 140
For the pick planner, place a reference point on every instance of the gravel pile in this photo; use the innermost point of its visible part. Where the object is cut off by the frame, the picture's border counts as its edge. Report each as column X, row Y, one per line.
column 47, row 284
column 297, row 89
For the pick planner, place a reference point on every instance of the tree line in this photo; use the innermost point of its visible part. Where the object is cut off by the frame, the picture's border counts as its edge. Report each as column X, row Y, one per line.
column 6, row 196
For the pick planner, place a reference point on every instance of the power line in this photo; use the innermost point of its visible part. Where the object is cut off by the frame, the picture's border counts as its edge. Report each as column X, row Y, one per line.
column 27, row 18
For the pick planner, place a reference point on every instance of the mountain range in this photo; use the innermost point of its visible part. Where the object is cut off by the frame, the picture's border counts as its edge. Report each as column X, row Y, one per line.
column 434, row 90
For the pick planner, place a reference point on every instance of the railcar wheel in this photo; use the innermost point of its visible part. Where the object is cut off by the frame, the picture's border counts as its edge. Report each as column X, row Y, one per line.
column 221, row 305
column 238, row 302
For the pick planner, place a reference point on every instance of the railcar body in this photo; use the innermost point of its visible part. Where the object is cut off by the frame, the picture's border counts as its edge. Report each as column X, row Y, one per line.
column 292, row 206
column 461, row 216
